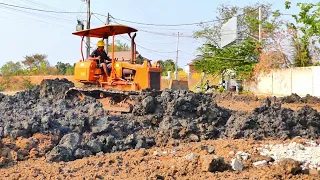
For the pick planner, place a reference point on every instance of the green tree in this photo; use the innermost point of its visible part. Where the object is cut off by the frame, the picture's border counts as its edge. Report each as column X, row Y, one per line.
column 235, row 57
column 307, row 31
column 34, row 61
column 167, row 65
column 64, row 68
column 243, row 55
column 61, row 68
column 119, row 46
column 11, row 69
column 69, row 69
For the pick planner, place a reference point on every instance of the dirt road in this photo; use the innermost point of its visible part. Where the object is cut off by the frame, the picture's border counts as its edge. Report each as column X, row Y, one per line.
column 186, row 161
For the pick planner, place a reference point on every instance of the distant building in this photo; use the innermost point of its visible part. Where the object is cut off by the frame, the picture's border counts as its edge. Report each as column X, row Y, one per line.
column 190, row 66
column 126, row 56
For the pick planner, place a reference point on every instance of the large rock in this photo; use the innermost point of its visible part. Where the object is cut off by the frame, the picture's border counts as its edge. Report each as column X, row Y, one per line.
column 54, row 88
column 236, row 165
column 80, row 153
column 60, row 153
column 70, row 141
column 95, row 145
column 145, row 106
column 101, row 126
column 260, row 163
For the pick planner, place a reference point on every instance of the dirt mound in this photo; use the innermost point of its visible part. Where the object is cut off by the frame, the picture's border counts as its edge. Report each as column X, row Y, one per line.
column 294, row 98
column 235, row 97
column 181, row 115
column 276, row 122
column 82, row 128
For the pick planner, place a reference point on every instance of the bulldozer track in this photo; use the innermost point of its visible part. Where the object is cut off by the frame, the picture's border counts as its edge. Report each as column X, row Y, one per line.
column 104, row 90
column 114, row 101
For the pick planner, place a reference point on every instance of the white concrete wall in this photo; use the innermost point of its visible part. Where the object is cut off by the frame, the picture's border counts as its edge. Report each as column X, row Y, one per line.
column 316, row 81
column 283, row 82
column 302, row 81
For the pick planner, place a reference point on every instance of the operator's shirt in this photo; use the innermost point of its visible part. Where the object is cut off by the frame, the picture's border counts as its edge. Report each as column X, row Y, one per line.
column 103, row 56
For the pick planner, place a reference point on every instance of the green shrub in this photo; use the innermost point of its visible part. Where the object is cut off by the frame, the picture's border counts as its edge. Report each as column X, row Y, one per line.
column 240, row 88
column 1, row 87
column 316, row 63
column 221, row 90
column 27, row 84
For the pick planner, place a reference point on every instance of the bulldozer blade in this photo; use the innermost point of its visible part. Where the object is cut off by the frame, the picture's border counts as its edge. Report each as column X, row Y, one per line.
column 178, row 84
column 112, row 101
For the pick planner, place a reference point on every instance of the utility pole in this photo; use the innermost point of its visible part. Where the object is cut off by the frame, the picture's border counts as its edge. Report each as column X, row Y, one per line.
column 176, row 66
column 88, row 27
column 106, row 40
column 260, row 24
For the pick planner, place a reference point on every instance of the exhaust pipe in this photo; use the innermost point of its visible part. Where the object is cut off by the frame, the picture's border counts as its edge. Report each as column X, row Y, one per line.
column 133, row 49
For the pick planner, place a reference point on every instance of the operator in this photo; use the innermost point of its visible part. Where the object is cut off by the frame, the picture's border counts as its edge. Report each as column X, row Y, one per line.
column 101, row 57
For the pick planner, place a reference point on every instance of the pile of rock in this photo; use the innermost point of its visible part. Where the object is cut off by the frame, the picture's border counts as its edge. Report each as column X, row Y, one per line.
column 82, row 127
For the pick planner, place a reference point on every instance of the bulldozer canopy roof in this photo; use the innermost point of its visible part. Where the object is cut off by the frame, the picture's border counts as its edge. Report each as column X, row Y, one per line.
column 104, row 31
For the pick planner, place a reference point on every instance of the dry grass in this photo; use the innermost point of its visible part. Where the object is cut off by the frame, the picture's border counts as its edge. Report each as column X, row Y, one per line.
column 16, row 83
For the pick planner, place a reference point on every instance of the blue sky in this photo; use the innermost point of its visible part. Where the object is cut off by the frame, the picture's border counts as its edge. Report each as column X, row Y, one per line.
column 26, row 32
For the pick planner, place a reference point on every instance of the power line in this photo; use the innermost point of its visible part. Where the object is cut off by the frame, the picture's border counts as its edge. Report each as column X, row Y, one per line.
column 163, row 34
column 28, row 17
column 81, row 9
column 45, row 6
column 148, row 48
column 173, row 34
column 186, row 53
column 151, row 50
column 40, row 4
column 149, row 24
column 32, row 13
column 98, row 18
column 40, row 10
column 159, row 33
column 166, row 28
column 186, row 24
column 154, row 42
column 155, row 50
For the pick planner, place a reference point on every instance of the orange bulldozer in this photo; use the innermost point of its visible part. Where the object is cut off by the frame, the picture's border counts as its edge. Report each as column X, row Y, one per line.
column 124, row 79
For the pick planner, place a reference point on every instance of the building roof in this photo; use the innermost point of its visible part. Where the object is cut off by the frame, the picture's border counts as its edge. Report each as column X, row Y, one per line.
column 126, row 55
column 198, row 58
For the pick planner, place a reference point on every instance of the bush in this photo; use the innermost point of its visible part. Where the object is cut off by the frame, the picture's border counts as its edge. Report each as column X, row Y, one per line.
column 1, row 87
column 316, row 63
column 240, row 88
column 5, row 82
column 26, row 83
column 221, row 90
